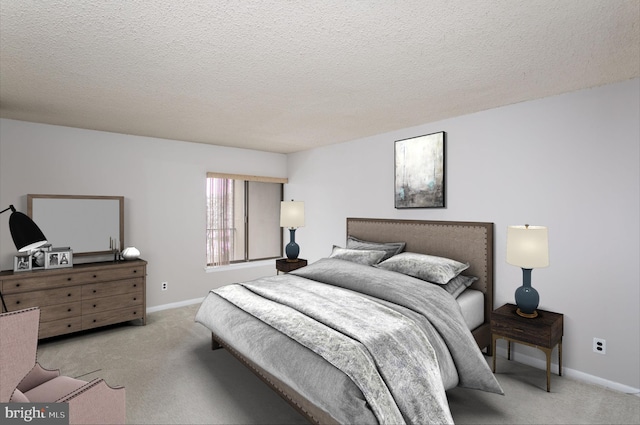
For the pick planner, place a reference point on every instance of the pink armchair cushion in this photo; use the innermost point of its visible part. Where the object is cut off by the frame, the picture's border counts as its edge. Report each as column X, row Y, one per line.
column 54, row 389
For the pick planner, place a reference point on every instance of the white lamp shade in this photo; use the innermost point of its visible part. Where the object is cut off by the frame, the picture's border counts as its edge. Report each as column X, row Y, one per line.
column 292, row 214
column 528, row 246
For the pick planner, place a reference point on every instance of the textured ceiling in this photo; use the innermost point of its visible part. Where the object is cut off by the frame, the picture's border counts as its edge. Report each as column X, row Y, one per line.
column 285, row 76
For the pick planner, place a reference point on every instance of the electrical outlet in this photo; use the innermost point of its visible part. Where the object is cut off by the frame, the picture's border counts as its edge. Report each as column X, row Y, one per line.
column 599, row 345
column 164, row 286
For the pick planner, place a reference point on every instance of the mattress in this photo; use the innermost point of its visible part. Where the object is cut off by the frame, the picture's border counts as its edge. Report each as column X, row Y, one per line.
column 471, row 303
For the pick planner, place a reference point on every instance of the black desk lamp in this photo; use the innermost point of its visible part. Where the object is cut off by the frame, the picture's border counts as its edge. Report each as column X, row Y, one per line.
column 25, row 233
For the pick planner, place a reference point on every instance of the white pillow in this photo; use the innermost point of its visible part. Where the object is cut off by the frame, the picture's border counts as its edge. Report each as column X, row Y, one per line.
column 360, row 256
column 426, row 267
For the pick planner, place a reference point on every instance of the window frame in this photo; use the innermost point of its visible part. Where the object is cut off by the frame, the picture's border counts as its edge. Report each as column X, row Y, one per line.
column 245, row 180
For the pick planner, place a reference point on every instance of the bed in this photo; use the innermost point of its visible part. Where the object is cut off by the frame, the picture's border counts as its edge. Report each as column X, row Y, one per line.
column 301, row 333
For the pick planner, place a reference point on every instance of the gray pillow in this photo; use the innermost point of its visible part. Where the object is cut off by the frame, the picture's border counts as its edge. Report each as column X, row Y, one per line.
column 426, row 267
column 390, row 248
column 458, row 284
column 361, row 256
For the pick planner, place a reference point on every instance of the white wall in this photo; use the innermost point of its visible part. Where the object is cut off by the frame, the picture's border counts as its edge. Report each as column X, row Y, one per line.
column 163, row 183
column 569, row 162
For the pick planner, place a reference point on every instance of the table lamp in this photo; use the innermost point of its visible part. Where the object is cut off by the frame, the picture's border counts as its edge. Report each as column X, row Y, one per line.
column 292, row 217
column 26, row 234
column 528, row 248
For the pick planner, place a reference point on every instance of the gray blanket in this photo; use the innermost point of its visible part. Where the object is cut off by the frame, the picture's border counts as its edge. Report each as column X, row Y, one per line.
column 382, row 349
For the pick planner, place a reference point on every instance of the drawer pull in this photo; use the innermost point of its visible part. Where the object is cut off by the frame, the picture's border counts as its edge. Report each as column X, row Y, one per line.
column 94, row 306
column 94, row 291
column 69, row 325
column 17, row 285
column 135, row 312
column 134, row 298
column 135, row 285
column 135, row 271
column 69, row 279
column 18, row 302
column 69, row 309
column 94, row 320
column 68, row 295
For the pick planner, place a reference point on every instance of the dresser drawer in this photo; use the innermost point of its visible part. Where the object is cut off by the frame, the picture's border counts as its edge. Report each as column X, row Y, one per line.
column 60, row 311
column 47, row 279
column 110, row 317
column 107, row 274
column 37, row 281
column 104, row 289
column 60, row 327
column 43, row 298
column 97, row 305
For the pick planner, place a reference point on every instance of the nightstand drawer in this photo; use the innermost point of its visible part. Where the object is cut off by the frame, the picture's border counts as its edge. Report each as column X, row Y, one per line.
column 285, row 266
column 544, row 330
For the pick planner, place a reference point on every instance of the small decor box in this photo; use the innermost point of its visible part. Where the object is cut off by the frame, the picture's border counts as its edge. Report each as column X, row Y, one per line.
column 58, row 258
column 22, row 262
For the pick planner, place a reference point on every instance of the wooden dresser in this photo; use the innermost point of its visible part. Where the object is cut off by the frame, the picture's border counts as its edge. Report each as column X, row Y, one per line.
column 83, row 297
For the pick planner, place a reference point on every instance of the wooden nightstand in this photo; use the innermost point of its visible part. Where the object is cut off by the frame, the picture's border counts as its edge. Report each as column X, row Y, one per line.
column 543, row 332
column 285, row 266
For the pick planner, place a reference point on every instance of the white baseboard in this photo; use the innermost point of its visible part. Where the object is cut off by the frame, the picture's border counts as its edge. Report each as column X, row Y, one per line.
column 571, row 373
column 174, row 305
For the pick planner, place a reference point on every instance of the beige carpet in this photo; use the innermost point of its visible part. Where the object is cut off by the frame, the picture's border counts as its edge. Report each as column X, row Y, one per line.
column 172, row 377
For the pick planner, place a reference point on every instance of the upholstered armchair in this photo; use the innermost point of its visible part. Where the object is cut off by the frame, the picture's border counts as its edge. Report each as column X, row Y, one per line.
column 24, row 380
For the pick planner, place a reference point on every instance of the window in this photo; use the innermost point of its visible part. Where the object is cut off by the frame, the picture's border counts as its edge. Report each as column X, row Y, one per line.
column 243, row 218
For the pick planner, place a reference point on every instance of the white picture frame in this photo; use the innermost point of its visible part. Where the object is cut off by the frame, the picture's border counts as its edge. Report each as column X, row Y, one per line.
column 22, row 263
column 58, row 259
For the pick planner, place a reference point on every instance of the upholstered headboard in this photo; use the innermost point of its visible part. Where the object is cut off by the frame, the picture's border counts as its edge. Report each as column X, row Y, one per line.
column 464, row 241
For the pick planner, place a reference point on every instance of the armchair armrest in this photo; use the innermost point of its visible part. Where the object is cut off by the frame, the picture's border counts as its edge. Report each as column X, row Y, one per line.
column 37, row 376
column 96, row 403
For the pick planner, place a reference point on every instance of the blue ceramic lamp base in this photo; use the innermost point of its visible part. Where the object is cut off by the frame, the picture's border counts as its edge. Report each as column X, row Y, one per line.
column 292, row 249
column 527, row 297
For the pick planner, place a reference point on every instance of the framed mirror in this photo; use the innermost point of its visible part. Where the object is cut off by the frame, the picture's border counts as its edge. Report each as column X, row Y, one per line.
column 89, row 225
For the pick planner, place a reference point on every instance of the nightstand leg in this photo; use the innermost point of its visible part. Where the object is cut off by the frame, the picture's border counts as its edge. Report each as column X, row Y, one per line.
column 548, row 353
column 493, row 350
column 508, row 349
column 560, row 357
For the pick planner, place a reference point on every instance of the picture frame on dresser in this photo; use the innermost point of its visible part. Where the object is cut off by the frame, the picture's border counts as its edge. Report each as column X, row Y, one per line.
column 58, row 259
column 22, row 262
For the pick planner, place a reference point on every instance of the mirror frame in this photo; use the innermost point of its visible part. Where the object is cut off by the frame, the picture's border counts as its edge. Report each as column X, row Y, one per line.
column 120, row 200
